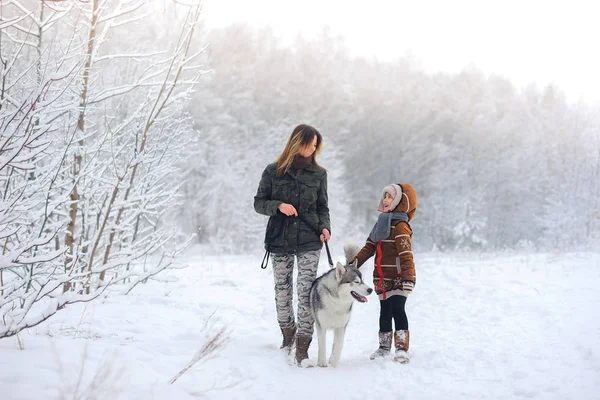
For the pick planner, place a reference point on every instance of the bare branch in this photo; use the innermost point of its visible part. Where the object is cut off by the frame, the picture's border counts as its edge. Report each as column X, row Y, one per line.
column 216, row 342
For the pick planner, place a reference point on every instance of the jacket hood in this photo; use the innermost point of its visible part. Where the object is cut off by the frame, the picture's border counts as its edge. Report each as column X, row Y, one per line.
column 408, row 203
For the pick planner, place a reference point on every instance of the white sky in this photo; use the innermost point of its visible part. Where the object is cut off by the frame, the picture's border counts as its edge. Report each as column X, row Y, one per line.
column 525, row 41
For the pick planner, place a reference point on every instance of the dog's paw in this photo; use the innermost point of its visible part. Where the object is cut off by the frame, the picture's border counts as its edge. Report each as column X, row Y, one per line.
column 334, row 363
column 322, row 363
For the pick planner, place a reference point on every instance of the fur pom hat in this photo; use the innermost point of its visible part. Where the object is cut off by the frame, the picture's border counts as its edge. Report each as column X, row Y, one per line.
column 395, row 191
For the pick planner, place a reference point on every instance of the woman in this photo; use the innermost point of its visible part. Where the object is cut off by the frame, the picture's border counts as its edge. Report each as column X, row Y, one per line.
column 293, row 192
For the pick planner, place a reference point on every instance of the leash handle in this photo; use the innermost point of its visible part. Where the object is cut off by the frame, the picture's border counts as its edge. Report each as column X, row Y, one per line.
column 329, row 259
column 328, row 255
column 264, row 264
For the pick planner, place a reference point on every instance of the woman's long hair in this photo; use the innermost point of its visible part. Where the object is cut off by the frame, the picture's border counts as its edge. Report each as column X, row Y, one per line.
column 301, row 137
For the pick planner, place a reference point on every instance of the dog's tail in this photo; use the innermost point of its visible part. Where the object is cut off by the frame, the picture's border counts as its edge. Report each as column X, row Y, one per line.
column 350, row 251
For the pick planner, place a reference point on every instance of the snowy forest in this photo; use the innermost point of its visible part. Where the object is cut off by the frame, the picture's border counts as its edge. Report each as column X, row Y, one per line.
column 129, row 131
column 496, row 167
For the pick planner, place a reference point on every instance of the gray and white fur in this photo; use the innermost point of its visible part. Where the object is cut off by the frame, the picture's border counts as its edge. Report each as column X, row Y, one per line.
column 331, row 298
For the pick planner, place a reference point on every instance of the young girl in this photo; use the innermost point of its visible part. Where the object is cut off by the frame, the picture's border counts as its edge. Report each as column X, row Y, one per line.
column 394, row 274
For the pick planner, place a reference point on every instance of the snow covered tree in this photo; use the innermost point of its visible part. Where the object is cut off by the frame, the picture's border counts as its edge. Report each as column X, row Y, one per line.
column 91, row 141
column 32, row 269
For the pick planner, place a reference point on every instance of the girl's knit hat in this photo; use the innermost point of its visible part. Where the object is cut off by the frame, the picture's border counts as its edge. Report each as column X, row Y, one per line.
column 395, row 191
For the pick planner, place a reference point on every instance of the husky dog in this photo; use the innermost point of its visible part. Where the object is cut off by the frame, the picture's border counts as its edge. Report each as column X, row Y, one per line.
column 331, row 298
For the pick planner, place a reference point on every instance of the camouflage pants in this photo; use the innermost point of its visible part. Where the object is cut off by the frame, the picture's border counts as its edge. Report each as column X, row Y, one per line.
column 283, row 267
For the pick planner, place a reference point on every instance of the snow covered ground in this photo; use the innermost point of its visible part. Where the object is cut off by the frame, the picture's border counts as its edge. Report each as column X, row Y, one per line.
column 482, row 327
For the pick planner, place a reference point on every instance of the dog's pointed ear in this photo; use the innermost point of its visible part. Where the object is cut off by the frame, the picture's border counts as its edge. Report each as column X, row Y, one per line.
column 339, row 271
column 354, row 263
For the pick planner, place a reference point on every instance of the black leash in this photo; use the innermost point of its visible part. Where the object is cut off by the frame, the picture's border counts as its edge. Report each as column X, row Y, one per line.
column 328, row 255
column 265, row 261
column 268, row 237
column 329, row 259
column 264, row 264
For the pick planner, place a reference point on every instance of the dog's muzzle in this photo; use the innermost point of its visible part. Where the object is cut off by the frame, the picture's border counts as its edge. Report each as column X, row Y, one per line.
column 359, row 297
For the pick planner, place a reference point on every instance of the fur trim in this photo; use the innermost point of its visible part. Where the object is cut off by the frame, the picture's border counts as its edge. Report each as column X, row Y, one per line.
column 396, row 192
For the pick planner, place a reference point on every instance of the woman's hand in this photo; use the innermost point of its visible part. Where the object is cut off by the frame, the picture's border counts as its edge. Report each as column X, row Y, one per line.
column 325, row 235
column 288, row 209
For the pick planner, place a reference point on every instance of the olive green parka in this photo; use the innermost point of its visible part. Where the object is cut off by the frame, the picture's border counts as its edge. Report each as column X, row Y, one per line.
column 307, row 192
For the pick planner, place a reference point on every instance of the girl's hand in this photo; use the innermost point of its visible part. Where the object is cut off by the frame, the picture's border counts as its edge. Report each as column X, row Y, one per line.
column 325, row 235
column 288, row 209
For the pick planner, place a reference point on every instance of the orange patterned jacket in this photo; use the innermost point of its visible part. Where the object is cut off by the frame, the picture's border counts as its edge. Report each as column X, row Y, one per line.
column 393, row 256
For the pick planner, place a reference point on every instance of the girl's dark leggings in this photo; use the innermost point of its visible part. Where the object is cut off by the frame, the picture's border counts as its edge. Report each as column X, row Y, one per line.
column 393, row 307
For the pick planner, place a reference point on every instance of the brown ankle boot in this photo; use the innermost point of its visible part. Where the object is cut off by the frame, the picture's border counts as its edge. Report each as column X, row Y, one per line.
column 401, row 342
column 385, row 344
column 289, row 334
column 302, row 344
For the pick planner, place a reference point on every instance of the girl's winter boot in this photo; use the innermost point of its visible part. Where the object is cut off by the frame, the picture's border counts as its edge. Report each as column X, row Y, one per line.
column 401, row 341
column 385, row 344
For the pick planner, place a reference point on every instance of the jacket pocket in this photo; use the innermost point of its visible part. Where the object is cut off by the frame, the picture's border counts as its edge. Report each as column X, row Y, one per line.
column 275, row 234
column 280, row 190
column 309, row 192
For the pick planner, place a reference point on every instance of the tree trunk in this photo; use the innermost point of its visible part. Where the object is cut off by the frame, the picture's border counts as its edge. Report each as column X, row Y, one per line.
column 77, row 159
